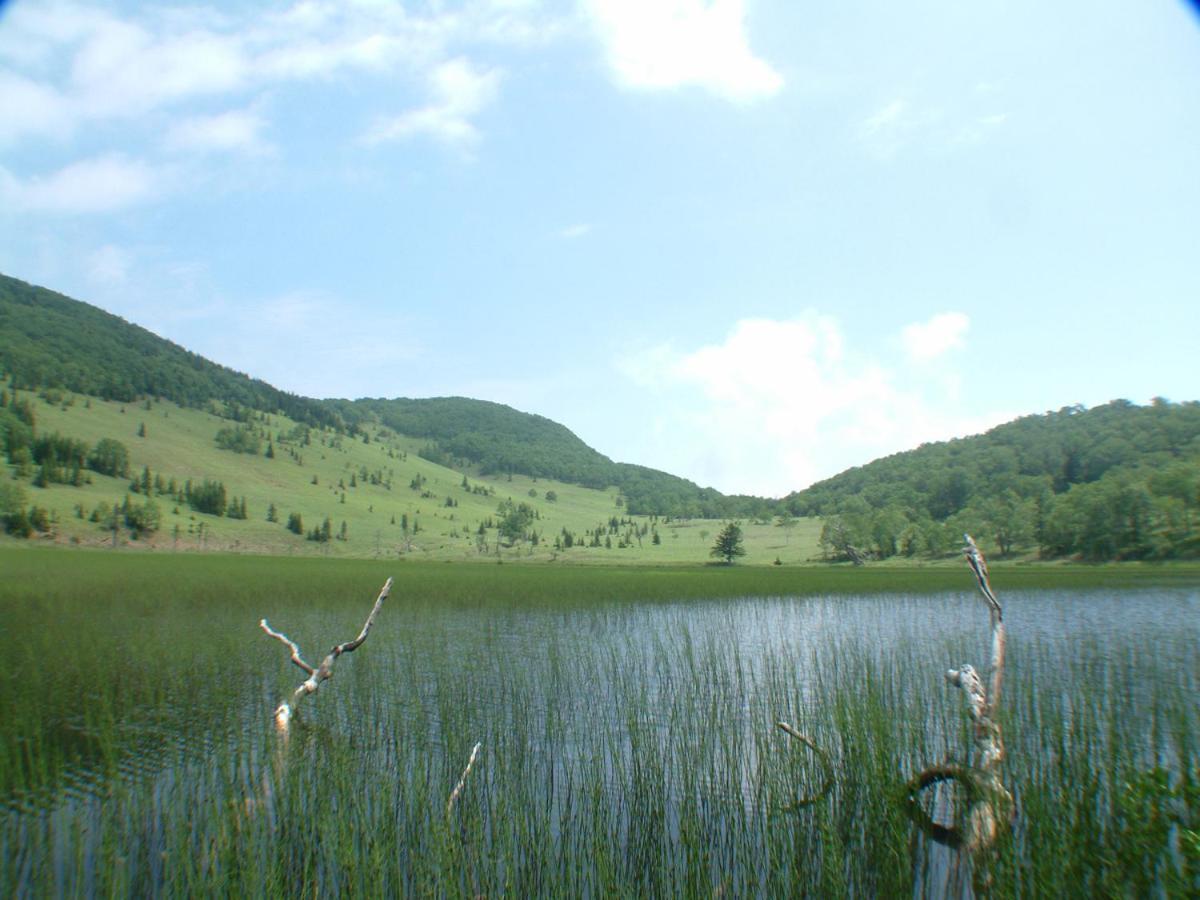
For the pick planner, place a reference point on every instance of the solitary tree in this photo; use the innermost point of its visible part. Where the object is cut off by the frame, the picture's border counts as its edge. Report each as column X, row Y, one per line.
column 729, row 543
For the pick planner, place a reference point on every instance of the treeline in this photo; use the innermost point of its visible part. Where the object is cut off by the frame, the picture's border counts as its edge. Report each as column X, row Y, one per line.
column 1119, row 481
column 48, row 340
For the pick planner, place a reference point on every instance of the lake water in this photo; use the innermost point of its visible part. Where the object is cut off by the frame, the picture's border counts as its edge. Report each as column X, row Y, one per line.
column 626, row 745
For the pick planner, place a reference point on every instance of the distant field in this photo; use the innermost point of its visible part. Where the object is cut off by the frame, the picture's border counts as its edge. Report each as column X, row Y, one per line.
column 179, row 443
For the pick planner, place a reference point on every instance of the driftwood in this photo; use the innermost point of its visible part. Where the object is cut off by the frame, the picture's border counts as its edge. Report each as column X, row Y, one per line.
column 323, row 672
column 989, row 804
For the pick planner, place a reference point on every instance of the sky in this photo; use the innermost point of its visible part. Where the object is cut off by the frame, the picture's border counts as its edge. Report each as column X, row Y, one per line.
column 749, row 242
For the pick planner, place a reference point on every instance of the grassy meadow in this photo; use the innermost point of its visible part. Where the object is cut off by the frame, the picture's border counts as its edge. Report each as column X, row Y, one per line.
column 314, row 480
column 627, row 721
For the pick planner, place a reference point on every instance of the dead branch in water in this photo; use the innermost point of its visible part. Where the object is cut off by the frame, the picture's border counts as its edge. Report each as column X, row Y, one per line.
column 462, row 781
column 323, row 672
column 989, row 802
column 826, row 765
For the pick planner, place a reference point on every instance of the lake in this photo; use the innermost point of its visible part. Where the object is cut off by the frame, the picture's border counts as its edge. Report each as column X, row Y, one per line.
column 629, row 744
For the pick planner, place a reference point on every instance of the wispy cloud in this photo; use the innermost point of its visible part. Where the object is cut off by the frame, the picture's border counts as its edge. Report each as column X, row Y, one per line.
column 460, row 92
column 925, row 341
column 779, row 404
column 576, row 231
column 900, row 124
column 97, row 185
column 683, row 43
column 109, row 265
column 233, row 131
column 67, row 68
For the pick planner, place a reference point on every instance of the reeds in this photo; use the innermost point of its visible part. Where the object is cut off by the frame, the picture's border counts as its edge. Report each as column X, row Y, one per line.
column 630, row 741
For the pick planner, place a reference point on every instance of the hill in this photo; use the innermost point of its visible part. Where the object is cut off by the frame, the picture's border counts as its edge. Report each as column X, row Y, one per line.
column 181, row 478
column 496, row 439
column 1119, row 481
column 48, row 340
column 234, row 458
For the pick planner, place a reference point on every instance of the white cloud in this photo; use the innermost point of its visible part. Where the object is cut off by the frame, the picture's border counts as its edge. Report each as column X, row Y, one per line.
column 664, row 44
column 778, row 404
column 109, row 265
column 924, row 341
column 236, row 130
column 28, row 108
column 97, row 185
column 65, row 67
column 460, row 92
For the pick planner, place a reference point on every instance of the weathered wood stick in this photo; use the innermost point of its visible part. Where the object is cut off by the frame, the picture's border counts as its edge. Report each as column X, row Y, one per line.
column 808, row 742
column 323, row 672
column 462, row 781
column 982, row 705
column 296, row 658
column 989, row 801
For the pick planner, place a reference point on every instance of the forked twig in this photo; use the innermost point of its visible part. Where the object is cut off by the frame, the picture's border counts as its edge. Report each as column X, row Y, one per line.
column 323, row 672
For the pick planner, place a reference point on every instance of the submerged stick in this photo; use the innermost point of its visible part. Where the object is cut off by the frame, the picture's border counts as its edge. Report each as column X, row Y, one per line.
column 462, row 781
column 827, row 785
column 323, row 672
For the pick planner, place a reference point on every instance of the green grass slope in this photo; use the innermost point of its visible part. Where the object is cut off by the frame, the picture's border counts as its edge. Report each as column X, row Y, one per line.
column 331, row 477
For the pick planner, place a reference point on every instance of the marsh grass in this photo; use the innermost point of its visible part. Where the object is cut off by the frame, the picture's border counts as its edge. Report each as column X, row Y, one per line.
column 627, row 722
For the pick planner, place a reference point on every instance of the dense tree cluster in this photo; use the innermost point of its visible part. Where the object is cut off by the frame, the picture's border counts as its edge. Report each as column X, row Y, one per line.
column 206, row 497
column 1119, row 481
column 239, row 439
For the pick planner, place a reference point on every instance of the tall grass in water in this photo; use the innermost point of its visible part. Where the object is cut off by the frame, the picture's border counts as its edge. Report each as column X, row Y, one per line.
column 629, row 743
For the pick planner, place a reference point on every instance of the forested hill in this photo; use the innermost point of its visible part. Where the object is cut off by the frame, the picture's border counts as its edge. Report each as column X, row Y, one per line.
column 49, row 340
column 1116, row 481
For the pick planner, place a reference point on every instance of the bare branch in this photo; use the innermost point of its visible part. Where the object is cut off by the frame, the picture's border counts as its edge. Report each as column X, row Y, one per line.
column 462, row 781
column 323, row 672
column 350, row 646
column 979, row 566
column 989, row 801
column 296, row 658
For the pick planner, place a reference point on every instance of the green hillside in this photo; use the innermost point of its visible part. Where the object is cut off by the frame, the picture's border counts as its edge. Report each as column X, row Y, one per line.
column 456, row 478
column 48, row 340
column 1119, row 481
column 497, row 439
column 393, row 502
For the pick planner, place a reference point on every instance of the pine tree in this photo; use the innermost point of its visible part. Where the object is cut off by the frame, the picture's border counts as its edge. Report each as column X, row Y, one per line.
column 729, row 543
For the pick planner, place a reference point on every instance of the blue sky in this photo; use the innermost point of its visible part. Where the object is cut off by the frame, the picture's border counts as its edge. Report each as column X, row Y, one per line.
column 752, row 243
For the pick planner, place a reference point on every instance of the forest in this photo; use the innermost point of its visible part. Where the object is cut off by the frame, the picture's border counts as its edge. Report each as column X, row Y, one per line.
column 1115, row 482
